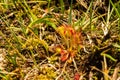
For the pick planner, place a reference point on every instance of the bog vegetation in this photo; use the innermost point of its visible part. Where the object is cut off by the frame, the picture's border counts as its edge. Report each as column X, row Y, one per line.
column 59, row 39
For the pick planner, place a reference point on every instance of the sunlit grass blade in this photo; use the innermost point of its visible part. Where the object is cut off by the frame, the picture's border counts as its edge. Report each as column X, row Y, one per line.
column 62, row 6
column 42, row 20
column 49, row 1
column 70, row 14
column 34, row 17
column 87, row 22
column 109, row 56
column 25, row 6
column 91, row 14
column 116, row 10
column 12, row 59
column 3, row 76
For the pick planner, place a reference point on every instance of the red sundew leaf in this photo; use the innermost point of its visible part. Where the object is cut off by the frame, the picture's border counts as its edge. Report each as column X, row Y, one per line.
column 65, row 32
column 64, row 57
column 63, row 52
column 80, row 38
column 68, row 30
column 77, row 39
column 72, row 54
column 72, row 31
column 76, row 76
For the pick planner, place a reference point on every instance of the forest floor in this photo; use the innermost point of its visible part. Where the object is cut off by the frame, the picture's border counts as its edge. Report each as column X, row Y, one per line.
column 59, row 40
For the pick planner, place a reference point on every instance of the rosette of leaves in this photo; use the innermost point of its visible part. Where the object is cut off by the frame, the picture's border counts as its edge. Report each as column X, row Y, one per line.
column 71, row 41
